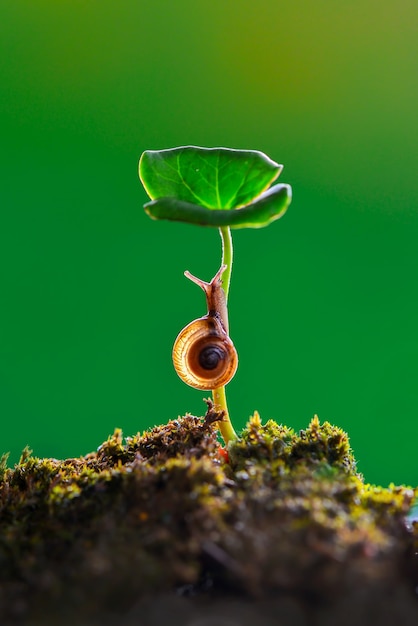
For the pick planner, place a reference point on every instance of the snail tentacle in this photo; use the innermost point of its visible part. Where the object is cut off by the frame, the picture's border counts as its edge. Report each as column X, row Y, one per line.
column 215, row 295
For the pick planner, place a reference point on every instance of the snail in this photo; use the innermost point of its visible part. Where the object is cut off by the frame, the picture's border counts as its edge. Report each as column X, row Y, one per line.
column 203, row 354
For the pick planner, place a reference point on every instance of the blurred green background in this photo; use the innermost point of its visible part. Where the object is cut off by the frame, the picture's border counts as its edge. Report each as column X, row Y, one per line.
column 323, row 303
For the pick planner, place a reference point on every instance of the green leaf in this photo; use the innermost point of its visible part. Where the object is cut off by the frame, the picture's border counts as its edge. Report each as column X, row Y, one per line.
column 270, row 206
column 215, row 178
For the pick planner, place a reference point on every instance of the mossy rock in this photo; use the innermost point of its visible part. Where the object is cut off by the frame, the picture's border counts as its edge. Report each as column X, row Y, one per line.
column 166, row 526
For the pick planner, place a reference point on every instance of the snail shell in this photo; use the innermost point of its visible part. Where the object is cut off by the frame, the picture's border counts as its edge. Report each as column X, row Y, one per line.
column 203, row 354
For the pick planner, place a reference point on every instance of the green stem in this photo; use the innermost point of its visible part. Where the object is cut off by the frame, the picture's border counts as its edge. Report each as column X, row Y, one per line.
column 219, row 396
column 227, row 256
column 227, row 430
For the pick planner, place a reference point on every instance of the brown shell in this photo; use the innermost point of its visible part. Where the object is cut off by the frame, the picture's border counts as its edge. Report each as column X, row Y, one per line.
column 203, row 354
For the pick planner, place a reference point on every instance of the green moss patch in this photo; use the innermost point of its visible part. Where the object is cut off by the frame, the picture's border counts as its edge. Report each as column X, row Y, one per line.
column 163, row 510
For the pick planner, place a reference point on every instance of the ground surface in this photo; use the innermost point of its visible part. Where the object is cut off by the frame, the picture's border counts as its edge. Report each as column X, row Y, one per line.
column 166, row 525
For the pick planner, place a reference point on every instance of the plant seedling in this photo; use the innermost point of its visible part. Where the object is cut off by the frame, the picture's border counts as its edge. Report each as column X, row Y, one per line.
column 219, row 188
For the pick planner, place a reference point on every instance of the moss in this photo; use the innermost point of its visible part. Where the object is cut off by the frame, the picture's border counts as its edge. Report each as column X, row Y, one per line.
column 162, row 510
column 323, row 447
column 3, row 465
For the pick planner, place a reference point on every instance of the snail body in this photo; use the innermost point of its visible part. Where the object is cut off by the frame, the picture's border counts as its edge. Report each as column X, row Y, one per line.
column 203, row 354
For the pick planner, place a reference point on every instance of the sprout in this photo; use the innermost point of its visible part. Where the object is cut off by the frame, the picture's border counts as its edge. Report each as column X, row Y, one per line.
column 221, row 188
